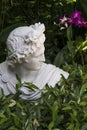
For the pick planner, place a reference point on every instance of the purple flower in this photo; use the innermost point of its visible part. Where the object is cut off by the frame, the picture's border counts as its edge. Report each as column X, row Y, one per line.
column 76, row 19
column 84, row 24
column 76, row 14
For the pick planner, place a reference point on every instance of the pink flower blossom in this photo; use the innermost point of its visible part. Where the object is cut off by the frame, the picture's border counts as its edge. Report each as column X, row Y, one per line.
column 76, row 19
column 63, row 19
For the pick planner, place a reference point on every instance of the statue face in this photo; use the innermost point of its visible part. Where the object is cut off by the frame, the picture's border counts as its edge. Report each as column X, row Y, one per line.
column 26, row 46
column 35, row 60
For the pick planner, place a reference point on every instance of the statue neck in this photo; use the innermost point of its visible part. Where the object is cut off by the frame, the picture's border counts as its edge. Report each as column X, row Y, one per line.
column 26, row 75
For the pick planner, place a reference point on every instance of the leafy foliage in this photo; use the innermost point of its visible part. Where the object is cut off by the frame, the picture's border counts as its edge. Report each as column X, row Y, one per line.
column 62, row 107
column 65, row 106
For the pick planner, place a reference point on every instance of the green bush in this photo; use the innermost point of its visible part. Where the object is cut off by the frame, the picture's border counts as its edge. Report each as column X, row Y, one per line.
column 61, row 108
column 65, row 106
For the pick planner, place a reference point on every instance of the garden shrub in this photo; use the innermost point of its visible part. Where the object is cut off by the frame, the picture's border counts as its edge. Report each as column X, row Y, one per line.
column 61, row 108
column 65, row 106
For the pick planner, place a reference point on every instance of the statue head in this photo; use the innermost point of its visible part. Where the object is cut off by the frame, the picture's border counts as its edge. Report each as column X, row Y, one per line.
column 24, row 42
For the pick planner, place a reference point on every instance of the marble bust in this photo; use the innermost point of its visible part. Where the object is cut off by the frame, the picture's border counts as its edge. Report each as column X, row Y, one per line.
column 26, row 59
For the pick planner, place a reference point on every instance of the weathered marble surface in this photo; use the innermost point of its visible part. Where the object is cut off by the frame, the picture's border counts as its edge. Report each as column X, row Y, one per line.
column 26, row 59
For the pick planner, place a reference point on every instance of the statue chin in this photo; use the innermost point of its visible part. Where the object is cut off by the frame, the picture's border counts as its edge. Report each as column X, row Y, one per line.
column 32, row 67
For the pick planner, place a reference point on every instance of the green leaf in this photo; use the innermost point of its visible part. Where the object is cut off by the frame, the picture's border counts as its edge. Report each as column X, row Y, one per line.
column 12, row 128
column 70, row 126
column 84, row 87
column 84, row 127
column 56, row 129
column 83, row 103
column 54, row 111
column 19, row 105
column 69, row 33
column 2, row 115
column 30, row 85
column 84, row 97
column 59, row 60
column 3, row 120
column 82, row 46
column 70, row 1
column 66, row 108
column 70, row 46
column 16, row 119
column 51, row 125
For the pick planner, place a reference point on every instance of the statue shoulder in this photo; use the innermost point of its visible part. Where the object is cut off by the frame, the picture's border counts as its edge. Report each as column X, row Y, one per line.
column 7, row 79
column 51, row 75
column 56, row 76
column 3, row 67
